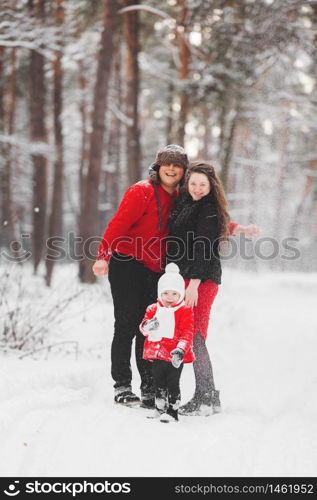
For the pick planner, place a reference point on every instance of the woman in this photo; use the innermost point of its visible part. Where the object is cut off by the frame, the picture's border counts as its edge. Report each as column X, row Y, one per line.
column 198, row 222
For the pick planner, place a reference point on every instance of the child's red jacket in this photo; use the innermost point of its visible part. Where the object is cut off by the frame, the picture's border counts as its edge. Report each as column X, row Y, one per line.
column 183, row 336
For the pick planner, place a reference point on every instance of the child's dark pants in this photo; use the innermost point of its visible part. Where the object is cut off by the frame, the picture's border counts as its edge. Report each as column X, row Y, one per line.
column 166, row 382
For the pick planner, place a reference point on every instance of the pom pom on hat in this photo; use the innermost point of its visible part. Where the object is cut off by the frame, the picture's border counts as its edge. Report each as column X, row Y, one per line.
column 171, row 280
column 172, row 268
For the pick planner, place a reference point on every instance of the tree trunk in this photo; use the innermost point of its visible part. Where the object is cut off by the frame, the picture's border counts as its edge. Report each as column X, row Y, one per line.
column 89, row 218
column 112, row 174
column 307, row 194
column 184, row 55
column 228, row 154
column 282, row 139
column 228, row 122
column 38, row 134
column 55, row 221
column 7, row 202
column 2, row 87
column 282, row 142
column 169, row 118
column 84, row 140
column 204, row 147
column 131, row 33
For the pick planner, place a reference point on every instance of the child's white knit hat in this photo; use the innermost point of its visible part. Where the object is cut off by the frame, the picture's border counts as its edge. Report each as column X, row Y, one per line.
column 171, row 280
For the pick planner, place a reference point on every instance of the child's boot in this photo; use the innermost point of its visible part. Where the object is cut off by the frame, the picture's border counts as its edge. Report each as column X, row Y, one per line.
column 171, row 415
column 160, row 404
column 156, row 414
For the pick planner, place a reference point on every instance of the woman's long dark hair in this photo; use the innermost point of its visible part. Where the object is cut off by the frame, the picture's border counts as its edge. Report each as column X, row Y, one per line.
column 203, row 167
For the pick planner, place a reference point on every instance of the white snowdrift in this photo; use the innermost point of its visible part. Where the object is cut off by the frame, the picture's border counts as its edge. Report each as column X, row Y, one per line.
column 57, row 416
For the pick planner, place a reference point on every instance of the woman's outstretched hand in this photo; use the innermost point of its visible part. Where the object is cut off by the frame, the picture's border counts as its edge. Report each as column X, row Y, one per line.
column 100, row 268
column 251, row 231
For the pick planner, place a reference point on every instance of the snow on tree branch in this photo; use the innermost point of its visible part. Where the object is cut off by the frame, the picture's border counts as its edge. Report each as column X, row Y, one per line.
column 146, row 8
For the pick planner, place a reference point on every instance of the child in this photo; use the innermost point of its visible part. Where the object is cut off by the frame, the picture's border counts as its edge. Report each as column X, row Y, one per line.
column 168, row 326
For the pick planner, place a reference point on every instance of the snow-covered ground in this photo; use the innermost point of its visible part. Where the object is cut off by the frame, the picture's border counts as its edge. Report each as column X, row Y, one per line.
column 57, row 416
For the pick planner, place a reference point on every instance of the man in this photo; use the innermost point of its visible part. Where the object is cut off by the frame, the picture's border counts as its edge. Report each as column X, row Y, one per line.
column 132, row 251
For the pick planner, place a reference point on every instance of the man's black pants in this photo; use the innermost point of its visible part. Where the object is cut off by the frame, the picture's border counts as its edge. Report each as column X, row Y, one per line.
column 133, row 288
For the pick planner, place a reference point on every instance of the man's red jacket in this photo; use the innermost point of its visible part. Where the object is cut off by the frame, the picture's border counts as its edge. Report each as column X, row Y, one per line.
column 134, row 229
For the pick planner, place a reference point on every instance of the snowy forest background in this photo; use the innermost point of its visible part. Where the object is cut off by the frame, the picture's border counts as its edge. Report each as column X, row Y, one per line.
column 89, row 90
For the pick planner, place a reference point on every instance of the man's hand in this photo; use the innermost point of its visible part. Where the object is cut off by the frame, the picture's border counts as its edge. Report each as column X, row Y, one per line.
column 251, row 231
column 100, row 268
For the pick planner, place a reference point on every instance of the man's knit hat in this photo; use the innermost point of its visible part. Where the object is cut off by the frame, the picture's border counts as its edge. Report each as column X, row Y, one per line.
column 172, row 154
column 171, row 280
column 169, row 154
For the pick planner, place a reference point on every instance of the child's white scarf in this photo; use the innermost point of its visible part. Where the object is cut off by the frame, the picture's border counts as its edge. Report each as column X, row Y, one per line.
column 166, row 319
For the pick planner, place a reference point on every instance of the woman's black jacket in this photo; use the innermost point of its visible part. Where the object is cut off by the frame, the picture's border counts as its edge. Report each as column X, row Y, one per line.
column 194, row 238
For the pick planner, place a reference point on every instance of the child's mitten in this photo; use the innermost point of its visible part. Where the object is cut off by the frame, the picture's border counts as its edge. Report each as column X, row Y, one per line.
column 177, row 357
column 151, row 325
